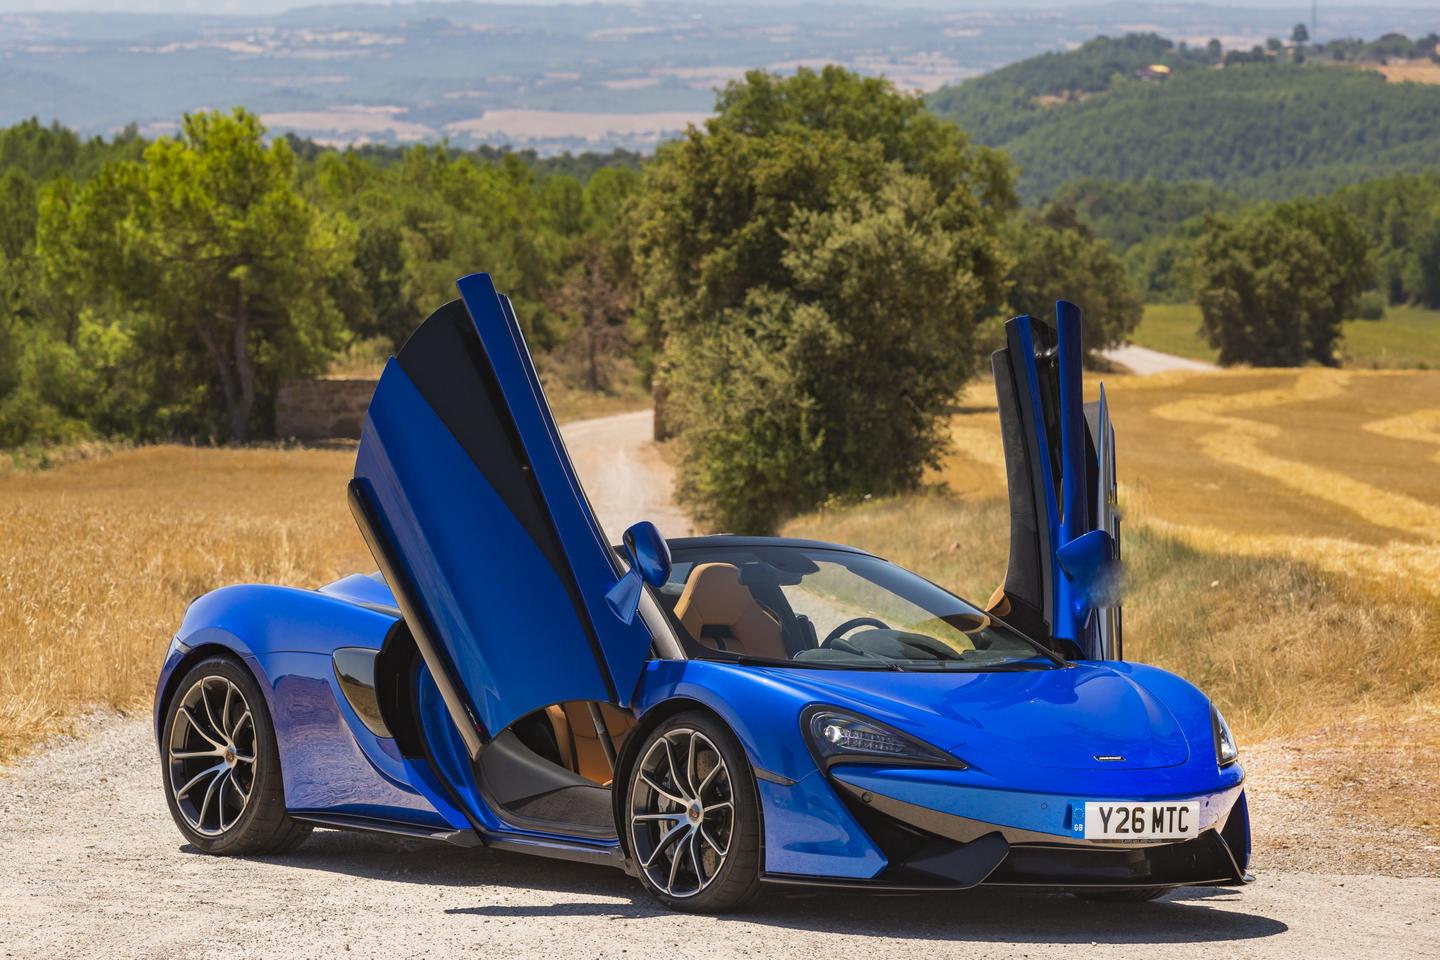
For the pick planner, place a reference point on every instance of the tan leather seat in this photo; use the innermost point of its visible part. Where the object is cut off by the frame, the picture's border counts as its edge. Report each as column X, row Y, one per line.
column 721, row 612
column 999, row 602
column 580, row 744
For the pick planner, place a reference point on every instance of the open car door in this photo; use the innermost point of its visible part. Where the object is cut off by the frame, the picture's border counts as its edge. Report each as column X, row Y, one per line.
column 469, row 502
column 1060, row 470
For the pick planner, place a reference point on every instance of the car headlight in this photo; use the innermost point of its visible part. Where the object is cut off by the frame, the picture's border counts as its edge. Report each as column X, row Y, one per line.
column 1226, row 750
column 838, row 736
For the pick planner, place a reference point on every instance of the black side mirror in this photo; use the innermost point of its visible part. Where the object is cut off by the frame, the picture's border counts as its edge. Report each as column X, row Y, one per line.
column 649, row 557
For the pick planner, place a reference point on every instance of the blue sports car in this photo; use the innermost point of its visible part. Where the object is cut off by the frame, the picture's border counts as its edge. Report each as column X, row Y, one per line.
column 710, row 714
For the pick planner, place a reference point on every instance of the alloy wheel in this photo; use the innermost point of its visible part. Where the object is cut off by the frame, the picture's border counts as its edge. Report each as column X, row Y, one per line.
column 682, row 812
column 211, row 755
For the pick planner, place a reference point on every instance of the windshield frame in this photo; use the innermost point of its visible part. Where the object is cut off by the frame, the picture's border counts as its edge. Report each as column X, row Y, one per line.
column 696, row 550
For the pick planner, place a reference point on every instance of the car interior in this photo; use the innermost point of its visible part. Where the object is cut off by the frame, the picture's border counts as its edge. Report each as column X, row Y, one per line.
column 778, row 604
column 555, row 766
column 720, row 611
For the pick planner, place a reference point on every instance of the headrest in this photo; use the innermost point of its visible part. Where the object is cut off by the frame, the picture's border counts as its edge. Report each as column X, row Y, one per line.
column 715, row 594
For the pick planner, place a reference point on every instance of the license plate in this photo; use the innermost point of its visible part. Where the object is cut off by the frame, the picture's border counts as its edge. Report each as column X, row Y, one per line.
column 1142, row 821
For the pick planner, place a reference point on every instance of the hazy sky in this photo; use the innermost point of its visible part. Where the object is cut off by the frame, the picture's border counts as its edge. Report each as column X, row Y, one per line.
column 275, row 6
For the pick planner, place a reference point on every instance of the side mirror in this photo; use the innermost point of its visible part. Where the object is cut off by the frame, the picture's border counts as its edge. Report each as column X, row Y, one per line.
column 1090, row 564
column 649, row 557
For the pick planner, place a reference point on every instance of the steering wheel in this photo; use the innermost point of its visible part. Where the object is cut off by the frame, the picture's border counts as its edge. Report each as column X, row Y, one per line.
column 849, row 625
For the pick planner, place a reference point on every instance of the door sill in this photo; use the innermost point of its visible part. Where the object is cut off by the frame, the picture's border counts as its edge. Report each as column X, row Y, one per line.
column 395, row 828
column 607, row 855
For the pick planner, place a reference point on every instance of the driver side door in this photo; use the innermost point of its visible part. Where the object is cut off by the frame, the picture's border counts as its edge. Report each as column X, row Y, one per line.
column 468, row 500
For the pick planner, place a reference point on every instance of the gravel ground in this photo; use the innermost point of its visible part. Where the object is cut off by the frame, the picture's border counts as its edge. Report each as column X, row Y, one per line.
column 91, row 866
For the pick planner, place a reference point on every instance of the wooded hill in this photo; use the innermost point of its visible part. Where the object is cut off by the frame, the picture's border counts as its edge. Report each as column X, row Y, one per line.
column 1267, row 123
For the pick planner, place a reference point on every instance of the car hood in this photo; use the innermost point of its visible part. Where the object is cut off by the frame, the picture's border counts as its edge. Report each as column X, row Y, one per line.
column 1065, row 718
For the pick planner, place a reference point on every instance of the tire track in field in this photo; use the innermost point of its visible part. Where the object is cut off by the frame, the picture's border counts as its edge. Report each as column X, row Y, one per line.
column 1238, row 442
column 1421, row 426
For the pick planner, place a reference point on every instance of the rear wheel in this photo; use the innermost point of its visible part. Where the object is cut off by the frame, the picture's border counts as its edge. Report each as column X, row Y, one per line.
column 221, row 764
column 693, row 821
column 1134, row 895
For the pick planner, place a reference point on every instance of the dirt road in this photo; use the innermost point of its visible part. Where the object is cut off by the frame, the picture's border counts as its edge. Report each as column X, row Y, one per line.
column 91, row 866
column 1144, row 361
column 624, row 474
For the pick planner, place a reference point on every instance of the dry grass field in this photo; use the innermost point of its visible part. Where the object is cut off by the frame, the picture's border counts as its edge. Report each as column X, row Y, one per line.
column 1334, row 468
column 99, row 558
column 1407, row 71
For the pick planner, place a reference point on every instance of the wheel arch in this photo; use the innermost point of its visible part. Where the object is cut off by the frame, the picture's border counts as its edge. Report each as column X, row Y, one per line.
column 266, row 628
column 224, row 645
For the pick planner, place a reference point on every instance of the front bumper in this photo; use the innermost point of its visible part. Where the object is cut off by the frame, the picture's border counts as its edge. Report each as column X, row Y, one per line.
column 936, row 833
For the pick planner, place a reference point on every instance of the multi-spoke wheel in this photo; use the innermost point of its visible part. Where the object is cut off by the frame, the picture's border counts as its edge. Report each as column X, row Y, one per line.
column 693, row 829
column 222, row 770
column 212, row 755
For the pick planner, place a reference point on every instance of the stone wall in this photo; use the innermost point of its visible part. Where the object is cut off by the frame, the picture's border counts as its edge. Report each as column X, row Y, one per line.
column 321, row 409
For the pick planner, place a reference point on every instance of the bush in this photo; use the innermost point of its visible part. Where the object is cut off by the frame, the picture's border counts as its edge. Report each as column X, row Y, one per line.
column 1370, row 305
column 1274, row 284
column 836, row 385
column 812, row 267
column 1057, row 257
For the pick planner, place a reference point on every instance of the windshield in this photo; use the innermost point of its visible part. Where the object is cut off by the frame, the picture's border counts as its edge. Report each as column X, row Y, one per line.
column 821, row 607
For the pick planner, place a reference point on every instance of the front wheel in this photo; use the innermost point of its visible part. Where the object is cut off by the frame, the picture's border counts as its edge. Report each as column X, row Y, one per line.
column 221, row 764
column 692, row 817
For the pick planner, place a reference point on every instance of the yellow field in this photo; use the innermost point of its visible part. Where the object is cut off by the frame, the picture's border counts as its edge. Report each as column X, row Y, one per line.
column 99, row 558
column 1407, row 71
column 1331, row 467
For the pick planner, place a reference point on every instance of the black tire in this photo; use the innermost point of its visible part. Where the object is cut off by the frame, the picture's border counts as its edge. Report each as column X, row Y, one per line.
column 216, row 714
column 1132, row 895
column 723, row 882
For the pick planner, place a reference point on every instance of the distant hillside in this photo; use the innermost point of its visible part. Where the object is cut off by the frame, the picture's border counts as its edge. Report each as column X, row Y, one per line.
column 571, row 75
column 1260, row 129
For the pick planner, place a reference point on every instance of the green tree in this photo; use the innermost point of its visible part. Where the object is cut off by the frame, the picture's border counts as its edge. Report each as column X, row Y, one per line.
column 1274, row 284
column 595, row 297
column 811, row 265
column 17, row 213
column 1300, row 34
column 1159, row 266
column 1423, row 270
column 1057, row 257
column 434, row 216
column 1126, row 212
column 48, row 366
column 1400, row 213
column 45, row 153
column 98, row 334
column 225, row 276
